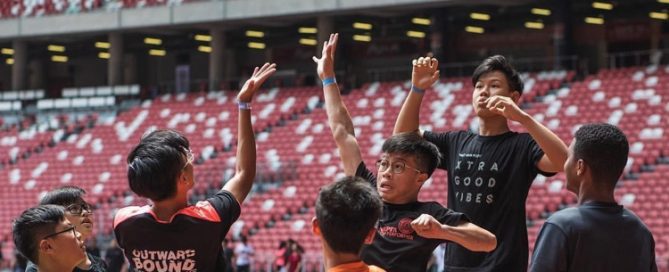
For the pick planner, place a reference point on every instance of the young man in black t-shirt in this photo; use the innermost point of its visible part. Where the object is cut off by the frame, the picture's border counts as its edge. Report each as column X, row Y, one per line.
column 490, row 171
column 598, row 234
column 172, row 235
column 408, row 230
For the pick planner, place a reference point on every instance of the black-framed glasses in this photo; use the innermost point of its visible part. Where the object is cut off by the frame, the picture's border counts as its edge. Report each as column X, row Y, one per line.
column 72, row 228
column 78, row 208
column 190, row 158
column 396, row 167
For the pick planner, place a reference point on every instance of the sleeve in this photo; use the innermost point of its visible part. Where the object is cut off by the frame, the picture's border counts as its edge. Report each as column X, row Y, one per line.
column 226, row 206
column 364, row 173
column 550, row 250
column 447, row 216
column 534, row 154
column 442, row 141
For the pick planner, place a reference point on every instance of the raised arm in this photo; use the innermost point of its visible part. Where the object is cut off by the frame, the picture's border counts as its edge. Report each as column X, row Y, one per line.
column 423, row 75
column 240, row 184
column 338, row 117
column 466, row 234
column 555, row 150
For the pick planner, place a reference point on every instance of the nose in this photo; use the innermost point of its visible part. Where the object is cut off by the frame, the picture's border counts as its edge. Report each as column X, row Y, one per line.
column 387, row 172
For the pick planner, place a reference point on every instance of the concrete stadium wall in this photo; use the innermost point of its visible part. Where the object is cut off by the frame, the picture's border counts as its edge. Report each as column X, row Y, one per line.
column 190, row 13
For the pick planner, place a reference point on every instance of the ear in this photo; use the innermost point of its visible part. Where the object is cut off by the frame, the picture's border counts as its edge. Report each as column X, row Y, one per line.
column 315, row 229
column 370, row 236
column 580, row 167
column 421, row 178
column 44, row 246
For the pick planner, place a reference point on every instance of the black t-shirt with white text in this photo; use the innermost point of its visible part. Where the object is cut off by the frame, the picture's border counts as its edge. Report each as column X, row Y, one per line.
column 592, row 237
column 489, row 178
column 190, row 241
column 396, row 246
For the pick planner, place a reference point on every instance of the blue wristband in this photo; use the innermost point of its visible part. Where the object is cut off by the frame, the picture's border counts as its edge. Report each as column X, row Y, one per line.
column 244, row 105
column 328, row 81
column 417, row 90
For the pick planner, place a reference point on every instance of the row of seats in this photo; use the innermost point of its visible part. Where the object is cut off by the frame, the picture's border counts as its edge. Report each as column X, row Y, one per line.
column 30, row 8
column 293, row 137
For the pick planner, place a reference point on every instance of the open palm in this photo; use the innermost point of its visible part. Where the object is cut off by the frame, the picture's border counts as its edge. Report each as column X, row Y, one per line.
column 257, row 79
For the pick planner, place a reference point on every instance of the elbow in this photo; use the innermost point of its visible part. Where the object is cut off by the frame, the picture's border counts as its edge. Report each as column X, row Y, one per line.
column 488, row 243
column 491, row 243
column 339, row 133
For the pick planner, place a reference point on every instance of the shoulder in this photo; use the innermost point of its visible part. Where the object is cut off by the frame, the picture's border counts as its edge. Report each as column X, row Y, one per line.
column 565, row 219
column 128, row 212
column 637, row 220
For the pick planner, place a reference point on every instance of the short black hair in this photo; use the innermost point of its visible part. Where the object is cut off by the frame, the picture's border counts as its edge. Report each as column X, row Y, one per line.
column 346, row 211
column 604, row 148
column 410, row 143
column 33, row 223
column 155, row 164
column 499, row 63
column 63, row 196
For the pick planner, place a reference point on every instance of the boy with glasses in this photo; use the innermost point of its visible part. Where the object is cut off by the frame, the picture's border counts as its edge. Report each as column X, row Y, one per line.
column 408, row 230
column 45, row 237
column 171, row 234
column 80, row 214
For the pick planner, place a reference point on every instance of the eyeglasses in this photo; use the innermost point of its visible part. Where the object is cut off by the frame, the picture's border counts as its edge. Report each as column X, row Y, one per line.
column 73, row 229
column 397, row 167
column 190, row 158
column 78, row 208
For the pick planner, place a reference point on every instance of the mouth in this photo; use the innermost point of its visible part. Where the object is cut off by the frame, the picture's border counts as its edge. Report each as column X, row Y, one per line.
column 384, row 187
column 87, row 221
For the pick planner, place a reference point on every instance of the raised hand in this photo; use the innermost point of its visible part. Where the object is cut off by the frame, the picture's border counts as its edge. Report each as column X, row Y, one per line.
column 325, row 68
column 506, row 107
column 425, row 72
column 427, row 226
column 257, row 79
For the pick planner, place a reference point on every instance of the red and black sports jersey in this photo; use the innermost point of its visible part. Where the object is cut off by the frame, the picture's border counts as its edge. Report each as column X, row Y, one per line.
column 189, row 241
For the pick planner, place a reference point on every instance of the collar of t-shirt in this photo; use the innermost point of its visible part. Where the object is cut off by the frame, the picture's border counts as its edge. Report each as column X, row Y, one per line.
column 600, row 204
column 355, row 267
column 406, row 206
column 493, row 137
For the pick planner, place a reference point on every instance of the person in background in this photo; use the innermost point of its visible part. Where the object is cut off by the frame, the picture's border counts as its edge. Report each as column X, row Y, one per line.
column 243, row 253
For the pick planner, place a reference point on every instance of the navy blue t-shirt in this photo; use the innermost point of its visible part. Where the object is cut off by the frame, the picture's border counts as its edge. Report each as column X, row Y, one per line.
column 489, row 178
column 592, row 237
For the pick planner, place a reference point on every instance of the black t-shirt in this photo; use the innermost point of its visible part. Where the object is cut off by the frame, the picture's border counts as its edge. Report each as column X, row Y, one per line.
column 396, row 246
column 115, row 259
column 190, row 241
column 97, row 265
column 488, row 179
column 594, row 237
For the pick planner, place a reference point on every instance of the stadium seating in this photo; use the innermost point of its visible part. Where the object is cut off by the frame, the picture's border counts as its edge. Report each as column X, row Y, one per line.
column 30, row 8
column 297, row 155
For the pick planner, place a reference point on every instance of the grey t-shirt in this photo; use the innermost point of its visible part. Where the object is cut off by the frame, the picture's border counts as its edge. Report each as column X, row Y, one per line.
column 594, row 236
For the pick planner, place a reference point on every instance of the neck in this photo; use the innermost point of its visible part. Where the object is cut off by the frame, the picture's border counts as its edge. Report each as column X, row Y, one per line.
column 332, row 259
column 491, row 126
column 589, row 192
column 54, row 266
column 86, row 264
column 166, row 208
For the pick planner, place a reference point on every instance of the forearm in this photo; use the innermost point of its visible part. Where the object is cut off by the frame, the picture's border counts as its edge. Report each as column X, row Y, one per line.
column 338, row 116
column 246, row 152
column 554, row 148
column 469, row 236
column 409, row 116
